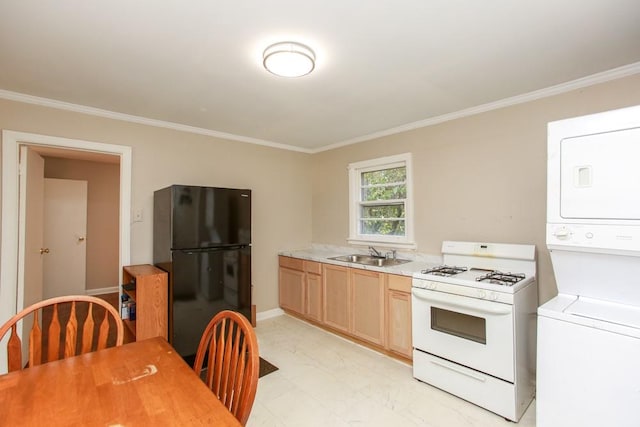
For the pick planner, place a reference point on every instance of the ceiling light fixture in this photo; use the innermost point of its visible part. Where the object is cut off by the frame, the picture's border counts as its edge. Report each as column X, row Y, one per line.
column 289, row 59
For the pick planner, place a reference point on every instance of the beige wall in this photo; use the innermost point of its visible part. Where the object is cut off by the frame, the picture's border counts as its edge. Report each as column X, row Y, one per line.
column 496, row 160
column 280, row 180
column 103, row 198
column 480, row 178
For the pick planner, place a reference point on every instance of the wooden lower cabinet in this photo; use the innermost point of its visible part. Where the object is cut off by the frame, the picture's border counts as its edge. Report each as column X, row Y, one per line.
column 399, row 315
column 337, row 298
column 292, row 290
column 300, row 285
column 367, row 309
column 313, row 297
column 372, row 307
column 291, row 285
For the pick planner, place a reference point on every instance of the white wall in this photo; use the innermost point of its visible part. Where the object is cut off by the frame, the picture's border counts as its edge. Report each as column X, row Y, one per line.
column 496, row 160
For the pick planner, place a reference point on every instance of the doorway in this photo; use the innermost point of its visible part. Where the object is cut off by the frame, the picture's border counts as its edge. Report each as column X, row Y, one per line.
column 101, row 209
column 11, row 285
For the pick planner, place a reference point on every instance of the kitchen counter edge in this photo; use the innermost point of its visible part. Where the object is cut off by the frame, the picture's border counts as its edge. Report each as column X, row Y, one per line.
column 324, row 256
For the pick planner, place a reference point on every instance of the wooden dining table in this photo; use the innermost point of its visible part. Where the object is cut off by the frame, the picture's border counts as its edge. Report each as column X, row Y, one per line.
column 145, row 383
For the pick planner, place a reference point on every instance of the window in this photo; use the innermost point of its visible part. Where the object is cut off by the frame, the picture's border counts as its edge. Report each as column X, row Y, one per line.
column 380, row 201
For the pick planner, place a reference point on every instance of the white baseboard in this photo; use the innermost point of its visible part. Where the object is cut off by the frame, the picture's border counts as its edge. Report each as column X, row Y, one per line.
column 264, row 315
column 101, row 291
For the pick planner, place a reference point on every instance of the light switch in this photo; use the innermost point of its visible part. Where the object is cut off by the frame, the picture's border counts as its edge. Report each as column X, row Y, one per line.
column 137, row 215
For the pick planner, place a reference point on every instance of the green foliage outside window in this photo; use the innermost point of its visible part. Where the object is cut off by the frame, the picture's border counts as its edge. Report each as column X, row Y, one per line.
column 380, row 186
column 383, row 227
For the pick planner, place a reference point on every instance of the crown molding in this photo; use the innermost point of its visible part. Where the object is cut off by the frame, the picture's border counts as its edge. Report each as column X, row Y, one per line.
column 83, row 109
column 605, row 76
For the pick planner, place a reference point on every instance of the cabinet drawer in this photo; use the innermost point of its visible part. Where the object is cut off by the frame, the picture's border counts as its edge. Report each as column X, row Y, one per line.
column 399, row 283
column 292, row 263
column 313, row 267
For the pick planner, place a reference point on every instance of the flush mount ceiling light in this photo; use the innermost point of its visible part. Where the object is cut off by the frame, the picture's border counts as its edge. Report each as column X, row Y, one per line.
column 289, row 59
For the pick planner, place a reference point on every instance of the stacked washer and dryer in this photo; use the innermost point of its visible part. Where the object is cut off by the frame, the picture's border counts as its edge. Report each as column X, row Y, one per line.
column 588, row 363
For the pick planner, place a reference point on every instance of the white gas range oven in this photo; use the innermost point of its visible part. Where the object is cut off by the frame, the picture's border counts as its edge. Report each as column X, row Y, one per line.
column 474, row 325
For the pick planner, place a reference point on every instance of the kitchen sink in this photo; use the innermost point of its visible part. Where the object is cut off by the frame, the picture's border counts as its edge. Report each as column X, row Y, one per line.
column 370, row 260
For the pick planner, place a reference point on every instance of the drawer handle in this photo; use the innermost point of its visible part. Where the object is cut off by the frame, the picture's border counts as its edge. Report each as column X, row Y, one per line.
column 455, row 301
column 459, row 371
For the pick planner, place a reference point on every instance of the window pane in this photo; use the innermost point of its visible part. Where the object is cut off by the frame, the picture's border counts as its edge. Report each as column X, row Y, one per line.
column 382, row 211
column 385, row 176
column 459, row 324
column 391, row 192
column 382, row 227
column 379, row 200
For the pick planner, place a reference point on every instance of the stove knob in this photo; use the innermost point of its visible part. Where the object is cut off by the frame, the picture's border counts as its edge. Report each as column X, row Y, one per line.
column 431, row 285
column 493, row 296
column 482, row 294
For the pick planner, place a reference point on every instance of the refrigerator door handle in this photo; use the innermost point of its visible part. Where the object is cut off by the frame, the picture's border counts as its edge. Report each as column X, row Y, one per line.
column 213, row 249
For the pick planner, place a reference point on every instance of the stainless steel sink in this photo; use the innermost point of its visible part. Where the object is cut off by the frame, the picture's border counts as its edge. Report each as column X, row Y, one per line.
column 370, row 260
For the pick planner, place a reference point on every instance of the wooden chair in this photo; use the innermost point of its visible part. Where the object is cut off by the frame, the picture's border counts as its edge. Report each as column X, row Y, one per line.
column 64, row 317
column 230, row 347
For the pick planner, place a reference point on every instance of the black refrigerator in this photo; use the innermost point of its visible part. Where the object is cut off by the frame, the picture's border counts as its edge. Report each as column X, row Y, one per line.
column 202, row 238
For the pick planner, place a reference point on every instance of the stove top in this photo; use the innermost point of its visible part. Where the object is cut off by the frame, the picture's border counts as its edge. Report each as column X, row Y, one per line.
column 500, row 278
column 480, row 266
column 444, row 270
column 479, row 278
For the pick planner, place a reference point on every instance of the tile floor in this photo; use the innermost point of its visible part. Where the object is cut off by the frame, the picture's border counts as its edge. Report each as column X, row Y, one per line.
column 327, row 381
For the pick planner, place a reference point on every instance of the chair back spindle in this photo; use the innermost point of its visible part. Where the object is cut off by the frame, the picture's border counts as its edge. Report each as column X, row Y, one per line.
column 46, row 347
column 230, row 348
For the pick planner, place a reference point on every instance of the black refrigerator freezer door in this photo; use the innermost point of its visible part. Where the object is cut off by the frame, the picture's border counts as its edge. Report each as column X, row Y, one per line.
column 203, row 217
column 202, row 284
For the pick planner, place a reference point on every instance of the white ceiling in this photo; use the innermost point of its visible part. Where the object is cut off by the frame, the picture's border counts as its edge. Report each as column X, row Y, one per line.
column 382, row 65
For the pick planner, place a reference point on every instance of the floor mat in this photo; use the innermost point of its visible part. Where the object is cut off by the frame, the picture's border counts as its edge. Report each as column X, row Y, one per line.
column 266, row 368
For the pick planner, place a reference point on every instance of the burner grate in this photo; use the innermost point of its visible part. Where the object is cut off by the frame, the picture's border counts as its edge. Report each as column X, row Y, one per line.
column 500, row 278
column 445, row 270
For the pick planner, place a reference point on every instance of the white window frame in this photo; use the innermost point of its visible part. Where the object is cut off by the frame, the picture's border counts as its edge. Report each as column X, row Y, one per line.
column 355, row 172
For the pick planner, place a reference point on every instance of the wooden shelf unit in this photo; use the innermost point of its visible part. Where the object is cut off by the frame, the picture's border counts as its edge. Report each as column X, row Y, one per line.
column 151, row 298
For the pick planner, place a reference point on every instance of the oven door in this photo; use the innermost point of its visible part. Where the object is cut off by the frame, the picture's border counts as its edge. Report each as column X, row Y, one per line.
column 472, row 332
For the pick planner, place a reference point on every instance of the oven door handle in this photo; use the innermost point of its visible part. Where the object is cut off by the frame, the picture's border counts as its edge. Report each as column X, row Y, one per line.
column 440, row 298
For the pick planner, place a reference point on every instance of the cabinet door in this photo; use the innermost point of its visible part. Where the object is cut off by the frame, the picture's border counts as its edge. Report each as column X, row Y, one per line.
column 368, row 305
column 292, row 290
column 399, row 322
column 335, row 280
column 313, row 303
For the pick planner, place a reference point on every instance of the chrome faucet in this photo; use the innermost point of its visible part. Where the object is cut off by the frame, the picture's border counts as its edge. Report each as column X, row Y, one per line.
column 373, row 251
column 391, row 254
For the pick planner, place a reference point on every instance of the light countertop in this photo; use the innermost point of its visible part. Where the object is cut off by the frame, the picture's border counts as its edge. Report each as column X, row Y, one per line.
column 324, row 253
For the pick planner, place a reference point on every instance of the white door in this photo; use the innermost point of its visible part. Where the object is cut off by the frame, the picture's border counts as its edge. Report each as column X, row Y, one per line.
column 65, row 231
column 30, row 234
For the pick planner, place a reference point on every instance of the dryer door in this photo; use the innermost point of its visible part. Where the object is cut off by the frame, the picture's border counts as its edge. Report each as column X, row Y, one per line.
column 600, row 177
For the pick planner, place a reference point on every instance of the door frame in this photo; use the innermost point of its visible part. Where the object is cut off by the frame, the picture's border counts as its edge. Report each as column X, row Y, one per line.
column 11, row 298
